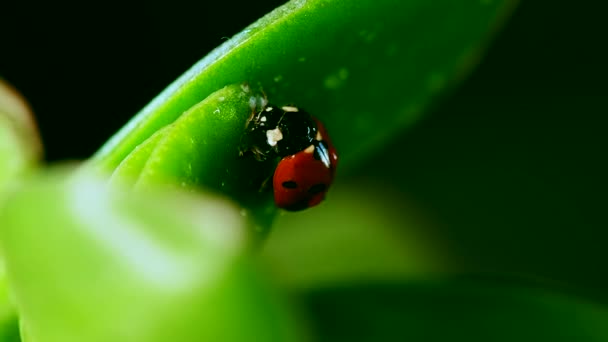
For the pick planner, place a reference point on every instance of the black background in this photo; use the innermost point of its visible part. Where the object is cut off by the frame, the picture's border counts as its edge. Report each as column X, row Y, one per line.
column 87, row 69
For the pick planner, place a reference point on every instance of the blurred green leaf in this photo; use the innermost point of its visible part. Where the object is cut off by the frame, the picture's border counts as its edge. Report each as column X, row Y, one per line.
column 20, row 145
column 20, row 150
column 12, row 156
column 453, row 311
column 363, row 233
column 98, row 264
column 9, row 323
column 367, row 68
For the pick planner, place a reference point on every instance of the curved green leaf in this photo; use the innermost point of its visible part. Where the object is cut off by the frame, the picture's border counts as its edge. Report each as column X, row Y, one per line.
column 366, row 67
column 98, row 264
column 201, row 150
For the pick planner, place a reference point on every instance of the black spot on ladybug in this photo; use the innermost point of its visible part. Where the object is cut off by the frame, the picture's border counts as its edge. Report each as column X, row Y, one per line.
column 290, row 185
column 317, row 188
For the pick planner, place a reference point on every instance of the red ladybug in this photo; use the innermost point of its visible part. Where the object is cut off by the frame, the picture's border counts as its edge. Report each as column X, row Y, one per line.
column 301, row 180
column 307, row 158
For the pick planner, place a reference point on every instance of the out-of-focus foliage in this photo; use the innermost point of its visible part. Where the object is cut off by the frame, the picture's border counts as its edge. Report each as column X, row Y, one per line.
column 453, row 310
column 100, row 264
column 19, row 142
column 20, row 150
column 364, row 232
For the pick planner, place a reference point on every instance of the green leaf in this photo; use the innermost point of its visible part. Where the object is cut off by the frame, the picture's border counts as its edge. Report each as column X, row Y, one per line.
column 201, row 150
column 367, row 68
column 98, row 264
column 453, row 311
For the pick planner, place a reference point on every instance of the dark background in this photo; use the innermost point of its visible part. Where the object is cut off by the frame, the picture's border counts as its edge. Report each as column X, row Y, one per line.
column 513, row 161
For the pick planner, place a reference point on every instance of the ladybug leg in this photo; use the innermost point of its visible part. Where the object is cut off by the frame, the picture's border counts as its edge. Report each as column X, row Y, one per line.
column 250, row 124
column 258, row 102
column 265, row 184
column 264, row 98
column 252, row 116
column 245, row 149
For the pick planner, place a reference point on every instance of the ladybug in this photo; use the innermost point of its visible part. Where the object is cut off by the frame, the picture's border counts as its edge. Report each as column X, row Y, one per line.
column 307, row 158
column 301, row 180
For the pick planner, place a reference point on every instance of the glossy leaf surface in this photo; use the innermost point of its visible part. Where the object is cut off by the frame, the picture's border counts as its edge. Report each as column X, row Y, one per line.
column 366, row 68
